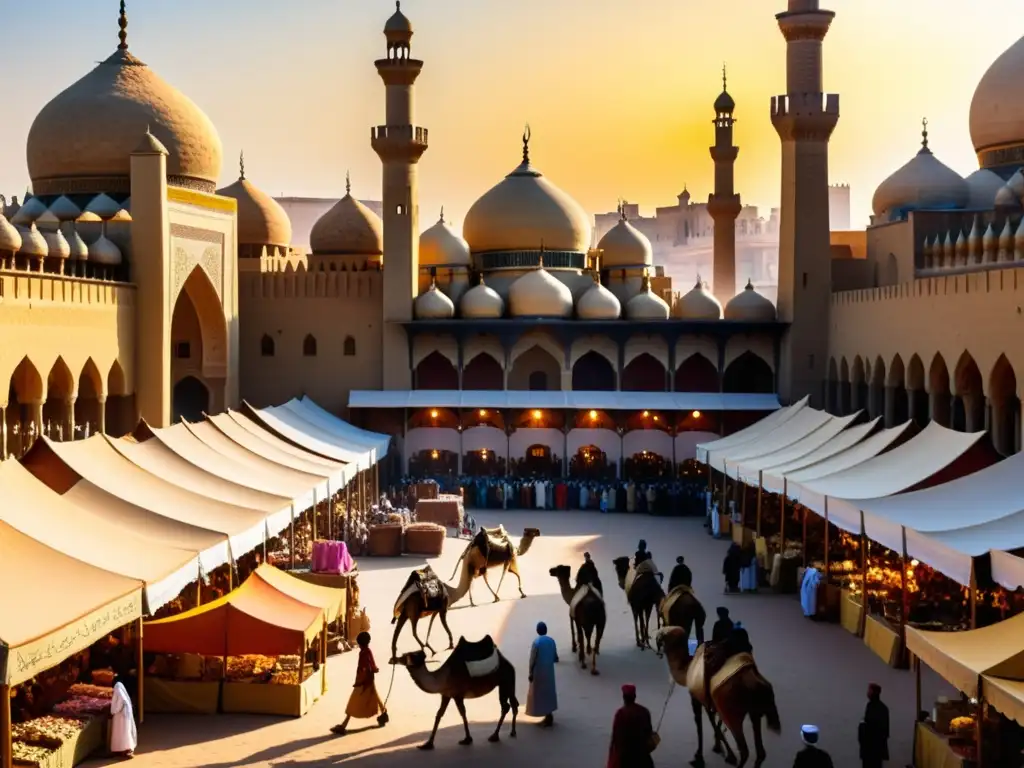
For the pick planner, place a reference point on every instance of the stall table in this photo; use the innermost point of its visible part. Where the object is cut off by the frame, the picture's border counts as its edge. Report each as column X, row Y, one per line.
column 850, row 610
column 882, row 640
column 933, row 750
column 188, row 697
column 79, row 748
column 270, row 699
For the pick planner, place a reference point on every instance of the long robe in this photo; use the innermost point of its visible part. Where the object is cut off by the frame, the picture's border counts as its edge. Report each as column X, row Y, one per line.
column 364, row 702
column 809, row 592
column 123, row 735
column 542, row 698
column 631, row 734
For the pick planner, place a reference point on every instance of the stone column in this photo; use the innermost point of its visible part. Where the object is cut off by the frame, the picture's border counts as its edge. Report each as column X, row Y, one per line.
column 101, row 414
column 890, row 406
column 3, row 432
column 68, row 423
column 36, row 420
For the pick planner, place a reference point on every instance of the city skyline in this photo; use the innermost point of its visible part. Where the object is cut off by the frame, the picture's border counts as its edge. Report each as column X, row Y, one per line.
column 301, row 104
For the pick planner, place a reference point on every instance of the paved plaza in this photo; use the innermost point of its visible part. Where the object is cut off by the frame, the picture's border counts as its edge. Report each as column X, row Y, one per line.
column 820, row 672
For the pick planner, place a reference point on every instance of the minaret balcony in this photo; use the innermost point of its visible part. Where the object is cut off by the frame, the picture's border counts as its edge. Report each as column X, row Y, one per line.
column 724, row 206
column 407, row 142
column 805, row 116
column 805, row 25
column 398, row 71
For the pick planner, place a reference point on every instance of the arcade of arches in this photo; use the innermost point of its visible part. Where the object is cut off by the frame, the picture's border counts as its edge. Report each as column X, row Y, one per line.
column 955, row 393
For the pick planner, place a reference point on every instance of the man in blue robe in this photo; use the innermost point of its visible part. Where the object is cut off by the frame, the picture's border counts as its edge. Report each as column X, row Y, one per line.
column 542, row 698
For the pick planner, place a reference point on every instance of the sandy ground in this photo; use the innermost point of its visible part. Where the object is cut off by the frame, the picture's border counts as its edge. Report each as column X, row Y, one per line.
column 819, row 672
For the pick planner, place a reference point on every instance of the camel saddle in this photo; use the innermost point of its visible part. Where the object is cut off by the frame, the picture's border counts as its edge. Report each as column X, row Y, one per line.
column 429, row 586
column 480, row 657
column 671, row 598
column 647, row 566
column 581, row 592
column 715, row 666
column 492, row 540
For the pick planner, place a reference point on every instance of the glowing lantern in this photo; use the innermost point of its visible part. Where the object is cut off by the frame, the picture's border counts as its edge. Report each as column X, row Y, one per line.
column 593, row 415
column 696, row 414
column 537, row 414
column 433, row 414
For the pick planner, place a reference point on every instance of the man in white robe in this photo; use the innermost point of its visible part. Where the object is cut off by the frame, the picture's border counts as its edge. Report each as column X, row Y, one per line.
column 123, row 735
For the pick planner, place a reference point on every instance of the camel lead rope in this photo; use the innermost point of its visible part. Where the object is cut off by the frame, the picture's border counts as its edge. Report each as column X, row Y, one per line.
column 664, row 709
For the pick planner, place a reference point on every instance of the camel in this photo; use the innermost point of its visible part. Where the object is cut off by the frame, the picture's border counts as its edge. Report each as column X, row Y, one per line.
column 491, row 548
column 643, row 593
column 737, row 691
column 681, row 608
column 585, row 616
column 472, row 671
column 411, row 606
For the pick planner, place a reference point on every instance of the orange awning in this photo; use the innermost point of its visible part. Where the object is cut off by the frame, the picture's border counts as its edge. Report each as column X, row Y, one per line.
column 330, row 600
column 255, row 618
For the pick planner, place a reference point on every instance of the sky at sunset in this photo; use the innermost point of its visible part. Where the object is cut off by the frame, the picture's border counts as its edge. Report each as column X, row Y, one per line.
column 618, row 95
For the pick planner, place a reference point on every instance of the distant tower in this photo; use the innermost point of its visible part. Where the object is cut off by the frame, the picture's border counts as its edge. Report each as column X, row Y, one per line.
column 804, row 119
column 400, row 144
column 724, row 204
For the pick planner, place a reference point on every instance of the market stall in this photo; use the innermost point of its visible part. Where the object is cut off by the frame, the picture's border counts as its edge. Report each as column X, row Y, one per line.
column 310, row 437
column 768, row 423
column 256, row 647
column 312, row 412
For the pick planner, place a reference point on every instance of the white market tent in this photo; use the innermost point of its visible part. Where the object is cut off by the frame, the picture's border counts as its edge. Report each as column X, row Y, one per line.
column 313, row 413
column 748, row 469
column 295, row 429
column 802, row 423
column 1007, row 569
column 773, row 476
column 743, row 436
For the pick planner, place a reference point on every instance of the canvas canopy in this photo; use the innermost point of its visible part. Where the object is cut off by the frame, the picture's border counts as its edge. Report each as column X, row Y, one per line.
column 51, row 519
column 96, row 460
column 52, row 606
column 934, row 449
column 330, row 601
column 1007, row 569
column 962, row 657
column 792, row 430
column 291, row 428
column 768, row 423
column 748, row 470
column 255, row 618
column 1007, row 696
column 313, row 413
column 773, row 478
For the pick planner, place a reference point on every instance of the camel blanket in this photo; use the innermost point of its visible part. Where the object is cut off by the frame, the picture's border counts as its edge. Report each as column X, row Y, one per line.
column 696, row 670
column 481, row 657
column 671, row 598
column 427, row 583
column 582, row 592
column 647, row 566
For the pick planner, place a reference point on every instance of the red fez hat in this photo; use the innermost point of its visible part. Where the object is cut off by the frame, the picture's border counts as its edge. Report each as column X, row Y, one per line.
column 629, row 690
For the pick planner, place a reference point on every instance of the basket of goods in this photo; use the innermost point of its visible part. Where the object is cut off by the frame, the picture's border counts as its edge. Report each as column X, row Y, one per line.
column 246, row 669
column 30, row 754
column 961, row 726
column 49, row 731
column 424, row 539
column 92, row 691
column 103, row 677
column 385, row 540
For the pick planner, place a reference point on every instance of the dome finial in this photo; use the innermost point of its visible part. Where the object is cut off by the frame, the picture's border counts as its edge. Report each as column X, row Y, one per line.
column 924, row 135
column 526, row 145
column 540, row 260
column 241, row 165
column 122, row 22
column 646, row 283
column 725, row 86
column 442, row 214
column 348, row 182
column 622, row 209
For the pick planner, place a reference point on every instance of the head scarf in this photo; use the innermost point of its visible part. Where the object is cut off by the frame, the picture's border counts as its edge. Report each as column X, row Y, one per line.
column 629, row 690
column 809, row 735
column 723, row 612
column 542, row 628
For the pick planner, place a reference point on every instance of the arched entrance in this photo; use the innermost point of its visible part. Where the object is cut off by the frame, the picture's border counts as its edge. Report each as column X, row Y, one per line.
column 538, row 462
column 24, row 412
column 593, row 372
column 645, row 373
column 199, row 348
column 436, row 371
column 535, row 371
column 591, row 463
column 647, row 466
column 190, row 401
column 938, row 391
column 483, row 372
column 696, row 374
column 750, row 374
column 1005, row 407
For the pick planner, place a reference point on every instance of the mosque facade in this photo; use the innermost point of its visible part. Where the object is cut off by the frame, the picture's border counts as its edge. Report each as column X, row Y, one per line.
column 131, row 287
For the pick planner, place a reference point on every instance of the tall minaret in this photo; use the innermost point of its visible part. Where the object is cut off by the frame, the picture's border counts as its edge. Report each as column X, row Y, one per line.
column 804, row 119
column 399, row 143
column 724, row 204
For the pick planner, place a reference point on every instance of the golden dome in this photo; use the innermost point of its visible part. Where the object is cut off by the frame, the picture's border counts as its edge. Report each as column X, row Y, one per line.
column 261, row 219
column 923, row 183
column 750, row 306
column 32, row 242
column 524, row 211
column 538, row 293
column 10, row 238
column 997, row 109
column 698, row 304
column 625, row 246
column 103, row 206
column 982, row 187
column 481, row 302
column 432, row 304
column 440, row 245
column 105, row 252
column 82, row 140
column 348, row 228
column 598, row 303
column 647, row 305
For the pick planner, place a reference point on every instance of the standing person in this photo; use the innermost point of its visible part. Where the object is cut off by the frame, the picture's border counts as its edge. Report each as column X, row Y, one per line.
column 731, row 568
column 811, row 756
column 587, row 574
column 723, row 627
column 364, row 702
column 681, row 576
column 124, row 737
column 632, row 734
column 873, row 732
column 542, row 698
column 641, row 553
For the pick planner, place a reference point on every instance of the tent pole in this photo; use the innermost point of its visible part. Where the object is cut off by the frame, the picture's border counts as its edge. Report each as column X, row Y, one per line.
column 917, row 687
column 973, row 592
column 140, row 695
column 5, row 725
column 199, row 591
column 904, row 597
column 316, row 507
column 864, row 545
column 760, row 492
column 782, row 518
column 826, row 540
column 804, row 539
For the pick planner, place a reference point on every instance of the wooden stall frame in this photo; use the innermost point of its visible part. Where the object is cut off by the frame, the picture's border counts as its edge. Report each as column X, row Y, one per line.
column 6, row 725
column 826, row 541
column 139, row 677
column 760, row 491
column 865, row 545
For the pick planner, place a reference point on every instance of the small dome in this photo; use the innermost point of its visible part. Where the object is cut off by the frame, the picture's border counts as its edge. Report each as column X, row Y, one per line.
column 598, row 303
column 997, row 109
column 725, row 102
column 32, row 242
column 625, row 246
column 525, row 211
column 57, row 245
column 103, row 206
column 538, row 293
column 64, row 209
column 10, row 238
column 261, row 219
column 750, row 306
column 924, row 183
column 432, row 304
column 982, row 187
column 699, row 304
column 77, row 249
column 47, row 222
column 122, row 216
column 481, row 302
column 440, row 245
column 348, row 228
column 29, row 211
column 647, row 305
column 105, row 252
column 398, row 23
column 1007, row 198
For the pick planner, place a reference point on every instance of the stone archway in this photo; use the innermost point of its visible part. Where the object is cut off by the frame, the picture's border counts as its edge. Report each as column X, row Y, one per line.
column 89, row 404
column 190, row 400
column 435, row 371
column 645, row 373
column 969, row 399
column 697, row 374
column 1005, row 422
column 593, row 372
column 24, row 413
column 119, row 413
column 199, row 340
column 748, row 373
column 858, row 385
column 917, row 396
column 897, row 406
column 483, row 372
column 938, row 390
column 535, row 370
column 59, row 408
column 876, row 391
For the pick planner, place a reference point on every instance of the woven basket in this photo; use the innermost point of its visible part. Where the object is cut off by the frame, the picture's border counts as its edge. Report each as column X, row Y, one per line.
column 424, row 539
column 385, row 540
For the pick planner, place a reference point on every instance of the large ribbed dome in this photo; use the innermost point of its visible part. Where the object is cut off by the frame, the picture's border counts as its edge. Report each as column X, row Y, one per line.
column 442, row 246
column 348, row 228
column 924, row 183
column 598, row 303
column 997, row 109
column 539, row 294
column 83, row 139
column 625, row 246
column 524, row 211
column 261, row 219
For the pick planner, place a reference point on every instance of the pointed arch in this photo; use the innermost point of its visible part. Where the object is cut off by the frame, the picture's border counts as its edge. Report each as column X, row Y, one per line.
column 857, row 374
column 592, row 371
column 90, row 380
column 1002, row 388
column 435, row 371
column 117, row 384
column 938, row 375
column 833, row 369
column 844, row 371
column 858, row 385
column 349, row 347
column 267, row 346
column 212, row 326
column 915, row 373
column 844, row 396
column 967, row 376
column 309, row 346
column 969, row 395
column 60, row 383
column 878, row 372
column 483, row 372
column 697, row 374
column 749, row 373
column 26, row 383
column 645, row 373
column 535, row 369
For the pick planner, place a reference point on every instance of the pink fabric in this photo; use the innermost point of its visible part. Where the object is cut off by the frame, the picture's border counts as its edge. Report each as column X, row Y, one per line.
column 331, row 557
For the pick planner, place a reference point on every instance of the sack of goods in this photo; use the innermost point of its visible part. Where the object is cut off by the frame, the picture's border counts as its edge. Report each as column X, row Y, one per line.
column 385, row 540
column 424, row 539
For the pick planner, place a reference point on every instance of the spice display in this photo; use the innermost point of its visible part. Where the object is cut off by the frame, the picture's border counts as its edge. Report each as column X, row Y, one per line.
column 83, row 706
column 960, row 726
column 91, row 691
column 48, row 731
column 241, row 667
column 30, row 754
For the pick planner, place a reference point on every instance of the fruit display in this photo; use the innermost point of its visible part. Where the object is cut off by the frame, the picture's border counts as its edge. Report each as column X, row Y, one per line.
column 30, row 754
column 48, row 731
column 92, row 691
column 961, row 725
column 241, row 667
column 83, row 706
